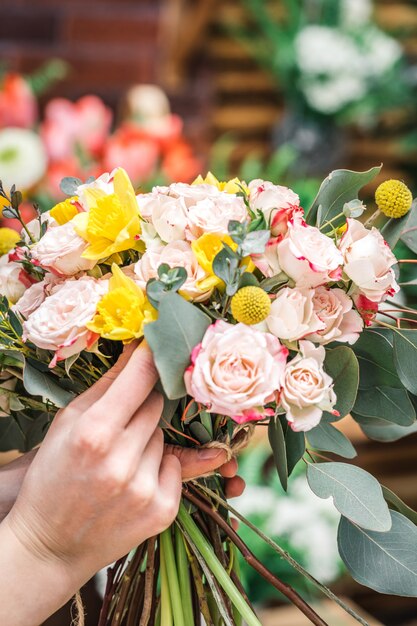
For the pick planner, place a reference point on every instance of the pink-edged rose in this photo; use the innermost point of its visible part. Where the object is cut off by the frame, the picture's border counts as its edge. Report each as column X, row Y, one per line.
column 368, row 261
column 60, row 251
column 268, row 262
column 334, row 308
column 175, row 254
column 278, row 204
column 36, row 294
column 307, row 390
column 236, row 371
column 292, row 314
column 309, row 257
column 59, row 323
column 11, row 284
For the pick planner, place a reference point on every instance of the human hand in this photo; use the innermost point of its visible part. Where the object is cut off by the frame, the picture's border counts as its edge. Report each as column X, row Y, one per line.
column 101, row 485
column 11, row 478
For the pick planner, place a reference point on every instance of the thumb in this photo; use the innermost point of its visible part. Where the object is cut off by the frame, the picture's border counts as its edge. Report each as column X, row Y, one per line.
column 196, row 462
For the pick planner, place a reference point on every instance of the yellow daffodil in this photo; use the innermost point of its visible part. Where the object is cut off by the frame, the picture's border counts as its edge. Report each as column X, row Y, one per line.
column 65, row 211
column 205, row 249
column 8, row 240
column 112, row 223
column 124, row 311
column 231, row 186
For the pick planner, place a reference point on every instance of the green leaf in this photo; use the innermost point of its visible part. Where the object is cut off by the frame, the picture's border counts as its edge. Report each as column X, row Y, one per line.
column 255, row 242
column 248, row 280
column 387, row 403
column 178, row 329
column 226, row 267
column 69, row 185
column 295, row 444
column 409, row 232
column 376, row 365
column 398, row 505
column 405, row 358
column 356, row 494
column 200, row 432
column 340, row 187
column 381, row 430
column 329, row 439
column 277, row 441
column 41, row 384
column 394, row 229
column 342, row 365
column 19, row 432
column 385, row 562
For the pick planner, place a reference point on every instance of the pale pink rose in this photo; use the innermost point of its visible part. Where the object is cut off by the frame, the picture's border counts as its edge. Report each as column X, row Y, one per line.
column 175, row 254
column 11, row 284
column 212, row 215
column 36, row 294
column 191, row 194
column 307, row 390
column 292, row 314
column 309, row 257
column 167, row 214
column 60, row 251
column 368, row 261
column 334, row 308
column 236, row 371
column 278, row 204
column 268, row 262
column 59, row 324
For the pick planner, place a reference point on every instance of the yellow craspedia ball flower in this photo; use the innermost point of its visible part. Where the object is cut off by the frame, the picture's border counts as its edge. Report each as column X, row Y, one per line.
column 8, row 240
column 250, row 305
column 393, row 198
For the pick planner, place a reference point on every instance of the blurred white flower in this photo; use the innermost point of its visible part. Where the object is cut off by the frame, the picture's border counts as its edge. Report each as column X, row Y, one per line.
column 355, row 13
column 326, row 50
column 330, row 95
column 23, row 158
column 381, row 52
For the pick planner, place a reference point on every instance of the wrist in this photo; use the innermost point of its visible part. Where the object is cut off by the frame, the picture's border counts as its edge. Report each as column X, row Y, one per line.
column 39, row 581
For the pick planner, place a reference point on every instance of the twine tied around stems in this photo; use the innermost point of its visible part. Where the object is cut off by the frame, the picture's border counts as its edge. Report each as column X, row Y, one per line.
column 231, row 445
column 78, row 618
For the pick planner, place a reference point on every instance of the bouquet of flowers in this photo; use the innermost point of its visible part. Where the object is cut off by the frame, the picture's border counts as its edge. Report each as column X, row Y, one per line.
column 257, row 313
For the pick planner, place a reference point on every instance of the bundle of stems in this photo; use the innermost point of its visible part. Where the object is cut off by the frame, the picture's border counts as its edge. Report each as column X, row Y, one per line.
column 190, row 572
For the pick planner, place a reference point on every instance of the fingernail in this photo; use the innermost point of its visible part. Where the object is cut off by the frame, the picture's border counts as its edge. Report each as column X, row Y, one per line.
column 206, row 454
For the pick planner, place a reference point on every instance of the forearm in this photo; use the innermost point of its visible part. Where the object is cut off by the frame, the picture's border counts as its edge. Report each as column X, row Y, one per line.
column 11, row 478
column 32, row 587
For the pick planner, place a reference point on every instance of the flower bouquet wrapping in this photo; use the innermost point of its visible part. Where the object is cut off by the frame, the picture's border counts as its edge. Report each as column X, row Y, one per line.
column 258, row 314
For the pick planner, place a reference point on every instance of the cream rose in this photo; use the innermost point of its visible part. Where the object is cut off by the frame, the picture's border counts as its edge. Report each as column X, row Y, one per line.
column 60, row 251
column 268, row 262
column 340, row 322
column 368, row 261
column 292, row 314
column 11, row 285
column 36, row 294
column 309, row 257
column 278, row 204
column 167, row 214
column 236, row 371
column 175, row 254
column 212, row 215
column 307, row 390
column 59, row 324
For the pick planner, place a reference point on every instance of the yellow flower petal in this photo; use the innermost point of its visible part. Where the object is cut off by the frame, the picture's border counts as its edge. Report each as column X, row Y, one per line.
column 63, row 212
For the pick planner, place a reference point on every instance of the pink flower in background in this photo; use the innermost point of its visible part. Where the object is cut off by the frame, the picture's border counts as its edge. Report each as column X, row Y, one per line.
column 84, row 124
column 236, row 371
column 134, row 150
column 18, row 106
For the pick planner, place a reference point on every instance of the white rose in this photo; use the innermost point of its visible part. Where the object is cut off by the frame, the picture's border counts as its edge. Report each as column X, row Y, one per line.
column 278, row 204
column 309, row 257
column 10, row 284
column 59, row 324
column 368, row 261
column 167, row 214
column 60, row 251
column 212, row 215
column 292, row 314
column 175, row 254
column 307, row 390
column 334, row 308
column 36, row 294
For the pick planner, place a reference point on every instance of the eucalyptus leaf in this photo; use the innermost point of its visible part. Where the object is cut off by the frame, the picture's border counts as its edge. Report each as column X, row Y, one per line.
column 329, row 439
column 405, row 358
column 255, row 242
column 342, row 365
column 376, row 365
column 398, row 505
column 69, row 185
column 248, row 280
column 356, row 494
column 383, row 561
column 277, row 441
column 178, row 329
column 394, row 229
column 409, row 232
column 42, row 384
column 387, row 403
column 20, row 432
column 339, row 188
column 381, row 430
column 200, row 432
column 295, row 444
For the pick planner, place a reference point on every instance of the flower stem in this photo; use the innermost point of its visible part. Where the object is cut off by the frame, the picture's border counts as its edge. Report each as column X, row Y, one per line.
column 215, row 566
column 166, row 610
column 183, row 576
column 168, row 558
